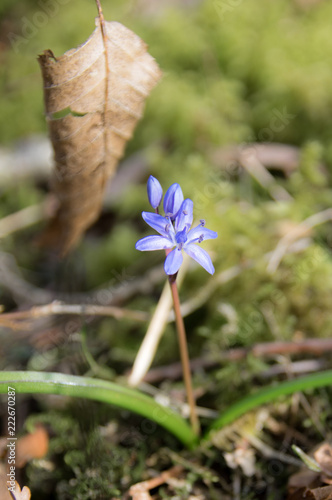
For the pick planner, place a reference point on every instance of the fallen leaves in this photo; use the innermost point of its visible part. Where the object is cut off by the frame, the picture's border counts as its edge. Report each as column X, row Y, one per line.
column 94, row 97
column 31, row 446
column 307, row 484
column 15, row 493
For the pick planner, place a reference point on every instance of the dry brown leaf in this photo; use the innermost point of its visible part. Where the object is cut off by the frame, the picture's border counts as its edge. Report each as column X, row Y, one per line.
column 324, row 493
column 16, row 494
column 34, row 445
column 102, row 104
column 4, row 493
column 307, row 483
column 19, row 494
column 323, row 456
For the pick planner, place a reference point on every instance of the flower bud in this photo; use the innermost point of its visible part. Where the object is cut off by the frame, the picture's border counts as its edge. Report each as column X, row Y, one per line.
column 155, row 192
column 173, row 200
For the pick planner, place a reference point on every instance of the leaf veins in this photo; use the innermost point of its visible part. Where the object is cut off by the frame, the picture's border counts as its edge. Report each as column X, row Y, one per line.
column 94, row 97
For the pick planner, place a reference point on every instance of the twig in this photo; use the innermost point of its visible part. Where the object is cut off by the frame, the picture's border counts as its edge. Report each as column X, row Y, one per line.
column 308, row 346
column 27, row 217
column 55, row 308
column 11, row 279
column 268, row 452
column 140, row 491
column 280, row 156
column 296, row 367
column 250, row 161
column 300, row 230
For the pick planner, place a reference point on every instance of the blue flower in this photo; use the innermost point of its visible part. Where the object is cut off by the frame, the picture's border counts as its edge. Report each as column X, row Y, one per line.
column 172, row 201
column 155, row 192
column 175, row 233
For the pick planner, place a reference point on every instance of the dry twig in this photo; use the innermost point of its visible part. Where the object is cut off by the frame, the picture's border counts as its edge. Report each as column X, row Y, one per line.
column 300, row 231
column 14, row 320
column 140, row 491
column 250, row 161
column 308, row 346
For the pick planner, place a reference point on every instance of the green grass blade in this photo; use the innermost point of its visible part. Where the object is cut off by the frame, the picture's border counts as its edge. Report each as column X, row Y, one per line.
column 271, row 393
column 29, row 382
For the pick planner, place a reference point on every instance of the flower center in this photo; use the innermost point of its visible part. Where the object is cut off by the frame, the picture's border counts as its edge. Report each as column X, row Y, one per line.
column 181, row 237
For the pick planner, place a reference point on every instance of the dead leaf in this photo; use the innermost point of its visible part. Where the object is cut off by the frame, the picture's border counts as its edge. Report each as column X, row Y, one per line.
column 324, row 493
column 92, row 110
column 25, row 494
column 34, row 445
column 306, row 484
column 302, row 479
column 323, row 456
column 17, row 494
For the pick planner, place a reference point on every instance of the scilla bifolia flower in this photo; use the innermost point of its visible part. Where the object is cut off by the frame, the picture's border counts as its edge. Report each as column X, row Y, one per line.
column 175, row 235
column 174, row 229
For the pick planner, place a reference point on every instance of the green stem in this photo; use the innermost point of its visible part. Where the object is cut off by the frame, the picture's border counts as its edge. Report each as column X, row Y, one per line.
column 266, row 395
column 102, row 371
column 99, row 390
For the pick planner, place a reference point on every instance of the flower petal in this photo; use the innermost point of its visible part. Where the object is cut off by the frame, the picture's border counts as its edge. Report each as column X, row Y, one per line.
column 172, row 200
column 150, row 243
column 200, row 255
column 202, row 233
column 155, row 191
column 173, row 261
column 159, row 223
column 184, row 218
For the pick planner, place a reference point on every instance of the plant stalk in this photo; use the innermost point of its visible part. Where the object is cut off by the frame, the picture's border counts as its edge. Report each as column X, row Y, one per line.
column 184, row 355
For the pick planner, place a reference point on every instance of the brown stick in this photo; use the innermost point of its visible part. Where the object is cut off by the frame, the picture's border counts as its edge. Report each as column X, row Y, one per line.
column 140, row 491
column 308, row 346
column 184, row 354
column 14, row 320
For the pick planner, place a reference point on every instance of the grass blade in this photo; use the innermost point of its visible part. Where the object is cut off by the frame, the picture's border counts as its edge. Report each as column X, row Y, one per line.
column 29, row 382
column 248, row 403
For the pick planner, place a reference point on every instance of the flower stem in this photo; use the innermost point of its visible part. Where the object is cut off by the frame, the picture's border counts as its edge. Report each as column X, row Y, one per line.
column 184, row 354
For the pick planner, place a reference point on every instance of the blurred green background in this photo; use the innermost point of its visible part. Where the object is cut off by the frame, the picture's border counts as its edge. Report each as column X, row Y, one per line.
column 235, row 72
column 227, row 68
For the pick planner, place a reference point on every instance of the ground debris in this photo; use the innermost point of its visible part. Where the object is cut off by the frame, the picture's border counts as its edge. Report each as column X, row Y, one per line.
column 140, row 491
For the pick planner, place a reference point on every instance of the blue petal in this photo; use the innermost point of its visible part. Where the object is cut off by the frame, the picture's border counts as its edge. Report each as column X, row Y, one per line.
column 200, row 255
column 159, row 223
column 201, row 233
column 172, row 200
column 184, row 218
column 155, row 192
column 150, row 243
column 173, row 261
